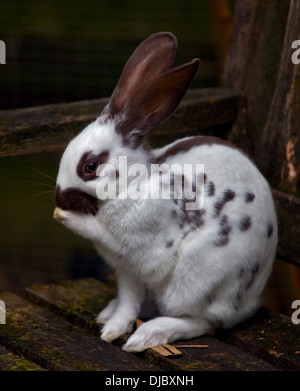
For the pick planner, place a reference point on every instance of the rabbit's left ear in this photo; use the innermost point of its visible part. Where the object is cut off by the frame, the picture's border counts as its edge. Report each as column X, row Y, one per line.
column 154, row 56
column 165, row 96
column 156, row 101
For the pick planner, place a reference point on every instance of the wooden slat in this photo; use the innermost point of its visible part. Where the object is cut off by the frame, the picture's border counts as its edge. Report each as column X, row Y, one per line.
column 260, row 68
column 269, row 336
column 55, row 344
column 218, row 356
column 288, row 213
column 79, row 301
column 12, row 362
column 279, row 146
column 44, row 128
column 49, row 127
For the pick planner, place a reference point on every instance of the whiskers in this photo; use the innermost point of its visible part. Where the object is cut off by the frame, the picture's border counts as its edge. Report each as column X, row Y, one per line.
column 67, row 134
column 47, row 196
column 48, row 192
column 42, row 173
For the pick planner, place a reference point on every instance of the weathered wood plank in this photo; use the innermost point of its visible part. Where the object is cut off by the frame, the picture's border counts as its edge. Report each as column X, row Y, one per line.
column 252, row 65
column 279, row 148
column 288, row 213
column 259, row 66
column 49, row 127
column 45, row 128
column 79, row 301
column 55, row 344
column 269, row 336
column 218, row 356
column 11, row 362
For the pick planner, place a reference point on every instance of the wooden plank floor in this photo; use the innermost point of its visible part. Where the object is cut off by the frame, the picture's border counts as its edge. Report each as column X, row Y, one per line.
column 54, row 328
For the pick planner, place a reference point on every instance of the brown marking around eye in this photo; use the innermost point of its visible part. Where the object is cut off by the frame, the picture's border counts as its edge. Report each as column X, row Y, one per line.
column 88, row 157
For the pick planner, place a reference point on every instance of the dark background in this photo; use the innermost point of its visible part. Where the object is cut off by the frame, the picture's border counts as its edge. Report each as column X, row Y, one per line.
column 67, row 50
column 60, row 51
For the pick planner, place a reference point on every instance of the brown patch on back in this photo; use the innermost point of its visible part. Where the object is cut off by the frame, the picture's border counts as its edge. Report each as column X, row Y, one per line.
column 187, row 144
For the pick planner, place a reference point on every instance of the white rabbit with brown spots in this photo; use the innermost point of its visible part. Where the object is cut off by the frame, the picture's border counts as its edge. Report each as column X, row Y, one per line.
column 202, row 268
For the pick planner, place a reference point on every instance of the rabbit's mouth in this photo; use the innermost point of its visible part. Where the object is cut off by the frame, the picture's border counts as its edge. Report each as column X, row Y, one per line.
column 76, row 200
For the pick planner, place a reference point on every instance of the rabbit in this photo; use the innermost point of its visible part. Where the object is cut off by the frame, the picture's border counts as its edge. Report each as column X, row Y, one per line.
column 200, row 270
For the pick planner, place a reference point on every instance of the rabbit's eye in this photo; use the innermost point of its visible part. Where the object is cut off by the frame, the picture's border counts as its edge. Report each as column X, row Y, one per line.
column 91, row 167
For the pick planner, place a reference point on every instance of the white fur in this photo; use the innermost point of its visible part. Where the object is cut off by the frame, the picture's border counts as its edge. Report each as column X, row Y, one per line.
column 200, row 272
column 131, row 236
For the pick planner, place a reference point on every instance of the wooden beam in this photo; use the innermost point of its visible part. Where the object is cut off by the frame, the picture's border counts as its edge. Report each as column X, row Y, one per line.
column 54, row 344
column 218, row 356
column 280, row 140
column 288, row 214
column 50, row 127
column 259, row 66
column 44, row 128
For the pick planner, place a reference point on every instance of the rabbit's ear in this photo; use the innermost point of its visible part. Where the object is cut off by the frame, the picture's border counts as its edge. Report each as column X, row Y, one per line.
column 167, row 94
column 151, row 58
column 156, row 102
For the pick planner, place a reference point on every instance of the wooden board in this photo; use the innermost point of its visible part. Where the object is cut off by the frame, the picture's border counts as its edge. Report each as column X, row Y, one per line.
column 260, row 68
column 55, row 344
column 217, row 356
column 270, row 336
column 50, row 127
column 288, row 213
column 12, row 362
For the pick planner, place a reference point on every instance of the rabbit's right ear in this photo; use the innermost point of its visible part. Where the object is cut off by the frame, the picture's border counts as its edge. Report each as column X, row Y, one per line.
column 151, row 58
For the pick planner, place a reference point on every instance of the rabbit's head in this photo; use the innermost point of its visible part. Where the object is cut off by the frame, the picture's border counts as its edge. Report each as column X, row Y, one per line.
column 148, row 92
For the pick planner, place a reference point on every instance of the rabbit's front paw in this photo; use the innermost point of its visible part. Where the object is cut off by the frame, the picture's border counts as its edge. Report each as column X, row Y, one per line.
column 146, row 336
column 107, row 312
column 60, row 215
column 114, row 328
